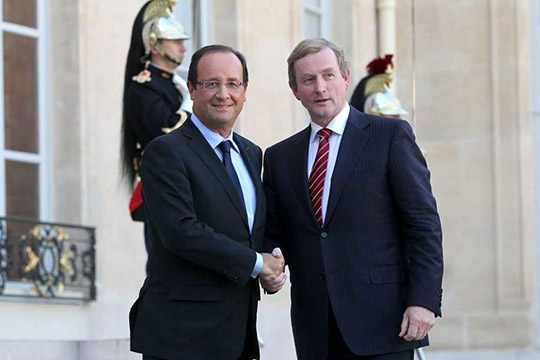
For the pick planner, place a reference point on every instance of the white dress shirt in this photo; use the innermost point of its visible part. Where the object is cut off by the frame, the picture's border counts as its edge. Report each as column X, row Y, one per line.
column 337, row 125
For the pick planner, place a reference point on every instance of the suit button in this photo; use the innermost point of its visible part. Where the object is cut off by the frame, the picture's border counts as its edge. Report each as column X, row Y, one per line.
column 323, row 276
column 324, row 235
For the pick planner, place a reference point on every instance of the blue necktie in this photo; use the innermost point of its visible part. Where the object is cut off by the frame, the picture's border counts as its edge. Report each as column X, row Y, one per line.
column 225, row 148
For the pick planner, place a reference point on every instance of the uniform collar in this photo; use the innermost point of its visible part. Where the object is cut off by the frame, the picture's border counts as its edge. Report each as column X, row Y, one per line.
column 161, row 72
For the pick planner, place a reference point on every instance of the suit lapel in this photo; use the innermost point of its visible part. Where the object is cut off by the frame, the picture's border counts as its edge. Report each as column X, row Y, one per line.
column 201, row 147
column 355, row 137
column 298, row 170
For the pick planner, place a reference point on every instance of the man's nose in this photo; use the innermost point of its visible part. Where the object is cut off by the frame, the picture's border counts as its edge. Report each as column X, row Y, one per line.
column 222, row 91
column 320, row 85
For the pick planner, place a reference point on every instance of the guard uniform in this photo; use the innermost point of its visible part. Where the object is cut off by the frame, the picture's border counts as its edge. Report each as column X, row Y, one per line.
column 153, row 103
column 372, row 95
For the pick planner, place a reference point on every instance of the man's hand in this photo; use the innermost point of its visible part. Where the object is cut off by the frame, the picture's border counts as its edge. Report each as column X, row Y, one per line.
column 417, row 321
column 272, row 263
column 272, row 276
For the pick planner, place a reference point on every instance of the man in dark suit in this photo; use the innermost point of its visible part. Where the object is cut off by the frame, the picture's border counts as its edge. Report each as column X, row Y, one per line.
column 350, row 204
column 205, row 210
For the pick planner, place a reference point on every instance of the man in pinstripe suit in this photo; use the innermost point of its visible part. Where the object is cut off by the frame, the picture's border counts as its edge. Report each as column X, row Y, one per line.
column 350, row 205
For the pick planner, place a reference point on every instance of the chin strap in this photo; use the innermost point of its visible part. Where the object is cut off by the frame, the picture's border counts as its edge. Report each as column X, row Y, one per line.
column 168, row 57
column 165, row 55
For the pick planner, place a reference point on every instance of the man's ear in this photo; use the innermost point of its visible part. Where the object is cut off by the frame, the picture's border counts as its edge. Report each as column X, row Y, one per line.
column 191, row 88
column 294, row 90
column 348, row 78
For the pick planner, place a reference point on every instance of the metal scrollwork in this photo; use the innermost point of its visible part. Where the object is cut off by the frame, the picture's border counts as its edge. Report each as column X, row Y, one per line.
column 48, row 260
column 4, row 258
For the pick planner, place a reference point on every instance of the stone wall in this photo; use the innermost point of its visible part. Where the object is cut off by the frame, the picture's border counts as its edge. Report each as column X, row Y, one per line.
column 473, row 121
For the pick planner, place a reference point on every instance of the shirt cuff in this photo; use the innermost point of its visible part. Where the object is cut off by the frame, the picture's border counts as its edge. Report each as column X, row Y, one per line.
column 258, row 266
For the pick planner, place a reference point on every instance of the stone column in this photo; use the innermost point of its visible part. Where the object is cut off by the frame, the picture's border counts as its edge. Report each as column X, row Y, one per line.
column 386, row 16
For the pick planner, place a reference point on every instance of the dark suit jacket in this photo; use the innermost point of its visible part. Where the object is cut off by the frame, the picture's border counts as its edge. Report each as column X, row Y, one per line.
column 379, row 250
column 195, row 301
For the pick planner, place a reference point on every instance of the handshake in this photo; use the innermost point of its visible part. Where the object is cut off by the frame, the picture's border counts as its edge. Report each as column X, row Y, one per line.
column 272, row 273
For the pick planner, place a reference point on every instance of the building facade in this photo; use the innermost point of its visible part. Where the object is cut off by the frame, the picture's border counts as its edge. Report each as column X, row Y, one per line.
column 466, row 71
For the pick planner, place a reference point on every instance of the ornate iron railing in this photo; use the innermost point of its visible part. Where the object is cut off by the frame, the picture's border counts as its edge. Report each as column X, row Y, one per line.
column 44, row 260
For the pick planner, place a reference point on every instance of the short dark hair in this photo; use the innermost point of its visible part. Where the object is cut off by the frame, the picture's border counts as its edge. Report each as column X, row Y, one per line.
column 193, row 72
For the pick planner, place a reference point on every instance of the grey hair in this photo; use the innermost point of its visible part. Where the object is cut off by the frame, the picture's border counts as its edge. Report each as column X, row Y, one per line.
column 311, row 46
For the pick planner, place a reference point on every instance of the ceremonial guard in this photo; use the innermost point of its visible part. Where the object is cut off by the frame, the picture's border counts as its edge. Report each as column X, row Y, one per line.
column 156, row 99
column 372, row 95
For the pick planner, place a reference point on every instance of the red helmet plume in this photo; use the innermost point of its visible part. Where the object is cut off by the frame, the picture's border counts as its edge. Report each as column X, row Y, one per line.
column 379, row 64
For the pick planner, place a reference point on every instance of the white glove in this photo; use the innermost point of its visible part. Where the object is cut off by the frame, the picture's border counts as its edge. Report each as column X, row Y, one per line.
column 181, row 85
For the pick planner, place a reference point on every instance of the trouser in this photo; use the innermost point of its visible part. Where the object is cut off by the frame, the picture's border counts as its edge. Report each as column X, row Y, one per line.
column 338, row 349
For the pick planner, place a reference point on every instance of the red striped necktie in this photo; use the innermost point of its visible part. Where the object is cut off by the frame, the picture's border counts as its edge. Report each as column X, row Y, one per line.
column 318, row 174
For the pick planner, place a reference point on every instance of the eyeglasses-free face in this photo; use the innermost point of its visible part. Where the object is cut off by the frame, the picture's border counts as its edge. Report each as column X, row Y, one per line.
column 321, row 87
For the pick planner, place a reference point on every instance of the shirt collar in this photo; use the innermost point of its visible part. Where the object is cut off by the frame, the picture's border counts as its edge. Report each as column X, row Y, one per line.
column 337, row 124
column 213, row 138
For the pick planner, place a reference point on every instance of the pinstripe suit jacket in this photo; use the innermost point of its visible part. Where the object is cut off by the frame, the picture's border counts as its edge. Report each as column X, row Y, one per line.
column 379, row 250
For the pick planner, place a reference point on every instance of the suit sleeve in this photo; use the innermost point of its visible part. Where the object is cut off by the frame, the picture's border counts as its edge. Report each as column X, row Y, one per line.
column 409, row 179
column 273, row 233
column 169, row 208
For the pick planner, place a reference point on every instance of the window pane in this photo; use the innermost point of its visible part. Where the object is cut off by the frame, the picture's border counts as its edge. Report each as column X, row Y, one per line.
column 20, row 93
column 312, row 25
column 314, row 3
column 22, row 189
column 22, row 12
